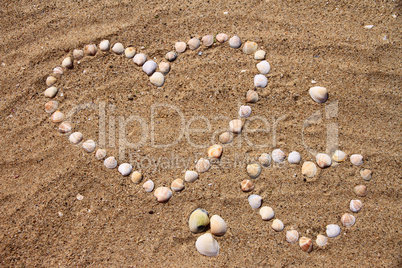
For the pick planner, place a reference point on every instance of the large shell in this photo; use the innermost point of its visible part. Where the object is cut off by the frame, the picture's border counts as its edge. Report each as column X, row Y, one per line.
column 177, row 185
column 254, row 170
column 75, row 137
column 110, row 162
column 309, row 169
column 263, row 67
column 360, row 190
column 306, row 244
column 136, row 177
column 218, row 225
column 149, row 67
column 255, row 201
column 207, row 40
column 198, row 220
column 265, row 159
column 140, row 59
column 90, row 50
column 251, row 96
column 125, row 169
column 51, row 106
column 277, row 225
column 333, row 230
column 250, row 47
column 202, row 165
column 157, row 79
column 226, row 137
column 366, row 174
column 292, row 236
column 235, row 42
column 193, row 43
column 260, row 80
column 163, row 194
column 221, row 37
column 244, row 111
column 65, row 127
column 89, row 146
column 247, row 186
column 148, row 186
column 118, row 48
column 321, row 240
column 294, row 158
column 235, row 125
column 180, row 47
column 278, row 155
column 267, row 213
column 323, row 160
column 348, row 220
column 356, row 159
column 355, row 205
column 339, row 156
column 215, row 151
column 190, row 176
column 51, row 92
column 104, row 45
column 319, row 94
column 100, row 154
column 207, row 245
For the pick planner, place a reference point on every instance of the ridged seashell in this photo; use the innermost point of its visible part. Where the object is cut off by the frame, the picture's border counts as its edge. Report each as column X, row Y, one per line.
column 148, row 186
column 190, row 176
column 65, row 127
column 309, row 169
column 244, row 111
column 171, row 55
column 57, row 117
column 51, row 92
column 207, row 40
column 177, row 185
column 366, row 174
column 348, row 220
column 118, row 48
column 89, row 146
column 58, row 71
column 267, row 213
column 90, row 50
column 277, row 225
column 235, row 126
column 251, row 96
column 51, row 106
column 360, row 190
column 265, row 159
column 321, row 240
column 247, row 186
column 78, row 54
column 226, row 137
column 294, row 158
column 67, row 63
column 198, row 220
column 254, row 170
column 193, row 43
column 333, row 230
column 136, row 177
column 180, row 47
column 255, row 201
column 292, row 236
column 263, row 67
column 149, row 67
column 218, row 225
column 100, row 154
column 75, row 137
column 164, row 67
column 235, row 42
column 355, row 205
column 259, row 55
column 339, row 156
column 206, row 245
column 129, row 52
column 202, row 165
column 104, row 45
column 306, row 244
column 250, row 47
column 140, row 59
column 163, row 194
column 157, row 79
column 319, row 94
column 260, row 80
column 356, row 159
column 215, row 151
column 323, row 160
column 125, row 169
column 278, row 155
column 110, row 162
column 221, row 37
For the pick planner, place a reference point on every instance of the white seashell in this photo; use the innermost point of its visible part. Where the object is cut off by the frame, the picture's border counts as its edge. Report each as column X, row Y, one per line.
column 254, row 170
column 215, row 151
column 309, row 169
column 250, row 47
column 89, row 146
column 193, row 43
column 265, row 159
column 244, row 111
column 164, row 67
column 226, row 137
column 78, row 54
column 306, row 244
column 75, row 137
column 202, row 165
column 67, row 63
column 157, row 79
column 171, row 55
column 321, row 240
column 259, row 55
column 366, row 174
column 294, row 158
column 65, row 127
column 221, row 37
column 263, row 67
column 348, row 220
column 149, row 67
column 356, row 159
column 100, row 154
column 235, row 42
column 51, row 92
column 104, row 45
column 319, row 94
column 163, row 194
column 110, row 162
column 140, row 59
column 198, row 220
column 323, row 160
column 51, row 106
column 129, row 52
column 90, row 50
column 207, row 40
column 58, row 71
column 57, row 117
column 235, row 126
column 247, row 186
column 118, row 48
column 180, row 47
column 251, row 96
column 177, row 185
column 339, row 156
column 355, row 205
column 277, row 225
column 278, row 155
column 360, row 190
column 206, row 245
column 190, row 176
column 218, row 225
column 333, row 230
column 255, row 201
column 267, row 213
column 136, row 177
column 292, row 236
column 125, row 169
column 260, row 80
column 148, row 186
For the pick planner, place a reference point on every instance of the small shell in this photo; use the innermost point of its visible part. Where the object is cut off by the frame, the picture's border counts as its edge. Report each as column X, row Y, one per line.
column 215, row 151
column 100, row 154
column 171, row 55
column 104, row 45
column 360, row 190
column 323, row 160
column 207, row 40
column 163, row 194
column 244, row 111
column 218, row 225
column 235, row 42
column 265, row 159
column 125, row 169
column 51, row 92
column 58, row 71
column 90, row 50
column 206, row 245
column 366, row 174
column 260, row 81
column 140, row 59
column 75, row 137
column 50, row 80
column 278, row 155
column 129, row 52
column 235, row 126
column 180, row 47
column 118, row 48
column 355, row 205
column 333, row 230
column 267, row 213
column 78, row 54
column 348, row 220
column 319, row 94
column 277, row 225
column 136, row 177
column 202, row 165
column 65, row 127
column 247, row 186
column 254, row 170
column 255, row 201
column 356, row 159
column 251, row 96
column 67, row 63
column 149, row 67
column 250, row 47
column 177, row 185
column 51, row 106
column 294, row 158
column 164, row 67
column 309, row 169
column 263, row 67
column 306, row 244
column 339, row 156
column 157, row 79
column 292, row 236
column 221, row 37
column 198, row 220
column 148, row 186
column 190, row 176
column 57, row 117
column 259, row 55
column 110, row 162
column 226, row 137
column 89, row 146
column 193, row 43
column 321, row 240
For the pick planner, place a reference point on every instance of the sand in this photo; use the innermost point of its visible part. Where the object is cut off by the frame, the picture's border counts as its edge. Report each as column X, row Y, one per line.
column 42, row 223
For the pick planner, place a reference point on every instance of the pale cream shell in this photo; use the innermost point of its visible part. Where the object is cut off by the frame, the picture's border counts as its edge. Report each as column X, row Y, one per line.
column 366, row 174
column 355, row 205
column 136, row 177
column 129, row 52
column 51, row 92
column 221, row 37
column 57, row 117
column 226, row 137
column 348, row 220
column 140, row 59
column 278, row 155
column 104, row 45
column 171, row 55
column 235, row 126
column 255, row 201
column 89, row 146
column 163, row 194
column 198, row 220
column 50, row 80
column 206, row 245
column 78, row 54
column 51, row 106
column 215, row 151
column 193, row 43
column 118, row 48
column 360, row 190
column 265, row 159
column 65, row 127
column 90, row 50
column 309, row 169
column 333, row 230
column 67, row 63
column 356, row 159
column 339, row 156
column 58, row 71
column 202, row 165
column 267, row 213
column 323, row 160
column 294, row 158
column 218, row 225
column 157, row 79
column 306, row 244
column 207, row 40
column 251, row 96
column 164, row 67
column 190, row 176
column 319, row 94
column 100, row 154
column 110, row 162
column 250, row 47
column 292, row 236
column 263, row 67
column 259, row 55
column 148, row 186
column 180, row 47
column 75, row 137
column 125, row 169
column 235, row 42
column 321, row 240
column 177, row 185
column 277, row 225
column 244, row 111
column 260, row 80
column 254, row 170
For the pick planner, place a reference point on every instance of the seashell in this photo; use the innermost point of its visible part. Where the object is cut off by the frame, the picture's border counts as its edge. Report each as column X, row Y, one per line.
column 218, row 225
column 75, row 137
column 294, row 158
column 292, row 236
column 136, row 177
column 244, row 111
column 51, row 92
column 321, row 240
column 118, row 48
column 157, row 79
column 339, row 156
column 129, row 52
column 100, row 154
column 140, row 59
column 89, row 146
column 277, row 225
column 255, row 201
column 177, row 185
column 198, row 220
column 278, row 155
column 193, row 43
column 65, row 127
column 58, row 71
column 235, row 126
column 110, row 162
column 260, row 80
column 251, row 96
column 104, row 45
column 355, row 205
column 221, row 37
column 263, row 67
column 348, row 220
column 180, row 47
column 190, row 176
column 259, row 55
column 323, row 160
column 360, row 190
column 235, row 42
column 267, row 213
column 306, row 244
column 215, row 151
column 319, row 94
column 67, row 63
column 356, row 159
column 164, row 67
column 125, row 169
column 254, row 170
column 333, row 230
column 207, row 40
column 90, row 50
column 206, row 245
column 265, row 159
column 163, row 194
column 202, row 165
column 247, row 186
column 171, row 56
column 148, row 186
column 366, row 174
column 78, row 54
column 57, row 117
column 149, row 67
column 250, row 47
column 309, row 169
column 51, row 106
column 226, row 137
